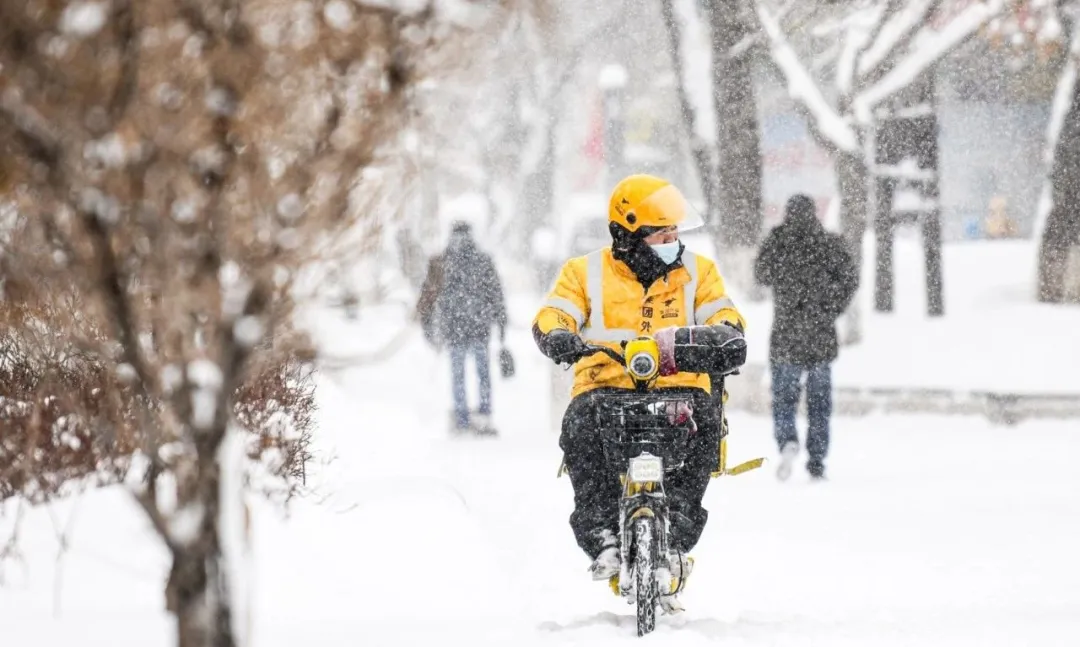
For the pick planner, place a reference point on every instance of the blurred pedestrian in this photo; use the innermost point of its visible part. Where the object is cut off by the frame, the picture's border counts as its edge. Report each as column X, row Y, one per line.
column 813, row 279
column 460, row 301
column 998, row 222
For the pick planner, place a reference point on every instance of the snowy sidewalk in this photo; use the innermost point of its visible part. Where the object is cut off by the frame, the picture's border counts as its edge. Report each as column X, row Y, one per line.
column 931, row 531
column 921, row 537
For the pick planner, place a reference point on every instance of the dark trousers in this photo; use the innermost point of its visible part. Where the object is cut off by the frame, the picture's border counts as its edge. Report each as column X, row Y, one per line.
column 596, row 482
column 786, row 390
column 458, row 353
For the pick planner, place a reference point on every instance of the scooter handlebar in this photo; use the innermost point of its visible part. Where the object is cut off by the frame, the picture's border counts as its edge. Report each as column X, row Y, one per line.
column 610, row 352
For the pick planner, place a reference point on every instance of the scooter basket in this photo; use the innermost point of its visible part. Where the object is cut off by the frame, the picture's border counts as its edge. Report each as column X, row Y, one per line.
column 635, row 424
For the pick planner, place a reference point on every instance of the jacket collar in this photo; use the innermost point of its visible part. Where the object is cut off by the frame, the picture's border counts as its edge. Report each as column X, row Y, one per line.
column 677, row 277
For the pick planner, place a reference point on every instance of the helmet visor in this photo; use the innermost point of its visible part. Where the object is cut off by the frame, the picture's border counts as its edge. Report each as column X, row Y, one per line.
column 666, row 208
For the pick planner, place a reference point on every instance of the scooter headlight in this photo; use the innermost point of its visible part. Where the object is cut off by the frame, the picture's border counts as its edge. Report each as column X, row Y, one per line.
column 642, row 366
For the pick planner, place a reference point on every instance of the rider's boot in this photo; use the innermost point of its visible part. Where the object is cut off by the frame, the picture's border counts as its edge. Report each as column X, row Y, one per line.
column 680, row 566
column 606, row 564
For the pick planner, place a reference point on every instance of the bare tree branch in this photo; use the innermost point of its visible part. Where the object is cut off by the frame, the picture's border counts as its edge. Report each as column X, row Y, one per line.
column 925, row 56
column 42, row 138
column 824, row 120
column 154, row 324
column 899, row 24
column 699, row 148
column 129, row 57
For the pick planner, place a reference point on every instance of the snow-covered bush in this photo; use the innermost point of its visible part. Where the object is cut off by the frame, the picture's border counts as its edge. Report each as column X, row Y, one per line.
column 70, row 423
column 166, row 170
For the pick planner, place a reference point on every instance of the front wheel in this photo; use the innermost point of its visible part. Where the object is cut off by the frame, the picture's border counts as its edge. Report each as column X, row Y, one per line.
column 645, row 558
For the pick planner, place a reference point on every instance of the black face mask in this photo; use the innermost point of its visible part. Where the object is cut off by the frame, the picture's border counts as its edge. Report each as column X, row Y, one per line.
column 631, row 248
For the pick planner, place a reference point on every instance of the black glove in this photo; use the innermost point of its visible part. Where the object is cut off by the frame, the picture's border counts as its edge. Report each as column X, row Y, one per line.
column 716, row 350
column 561, row 345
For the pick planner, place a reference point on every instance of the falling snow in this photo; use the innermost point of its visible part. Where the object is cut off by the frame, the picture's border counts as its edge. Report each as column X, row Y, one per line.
column 390, row 190
column 248, row 331
column 185, row 523
column 338, row 14
column 84, row 18
column 204, row 374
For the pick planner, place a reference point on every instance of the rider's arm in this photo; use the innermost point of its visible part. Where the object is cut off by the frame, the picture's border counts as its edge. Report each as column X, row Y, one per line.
column 712, row 305
column 563, row 315
column 715, row 345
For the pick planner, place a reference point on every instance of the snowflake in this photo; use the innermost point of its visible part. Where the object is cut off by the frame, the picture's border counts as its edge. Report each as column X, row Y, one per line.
column 248, row 331
column 290, row 207
column 84, row 18
column 205, row 374
column 338, row 15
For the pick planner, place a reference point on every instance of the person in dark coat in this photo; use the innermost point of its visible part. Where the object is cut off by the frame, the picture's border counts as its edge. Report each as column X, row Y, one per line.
column 813, row 279
column 460, row 301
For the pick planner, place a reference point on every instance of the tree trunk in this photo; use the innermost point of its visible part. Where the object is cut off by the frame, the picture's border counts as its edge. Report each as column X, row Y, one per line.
column 853, row 179
column 198, row 591
column 200, row 600
column 739, row 172
column 884, row 237
column 699, row 148
column 935, row 283
column 1062, row 229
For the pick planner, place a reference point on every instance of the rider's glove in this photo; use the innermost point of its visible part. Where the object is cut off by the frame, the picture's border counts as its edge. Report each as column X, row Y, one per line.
column 562, row 346
column 716, row 349
column 665, row 341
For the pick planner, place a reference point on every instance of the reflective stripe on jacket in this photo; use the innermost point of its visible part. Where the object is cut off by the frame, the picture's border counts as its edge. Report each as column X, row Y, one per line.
column 599, row 298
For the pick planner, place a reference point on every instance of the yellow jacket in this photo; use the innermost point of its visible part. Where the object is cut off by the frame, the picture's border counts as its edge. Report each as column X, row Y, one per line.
column 627, row 310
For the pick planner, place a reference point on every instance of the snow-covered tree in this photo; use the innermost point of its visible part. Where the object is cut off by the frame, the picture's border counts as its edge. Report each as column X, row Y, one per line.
column 683, row 22
column 168, row 168
column 1044, row 25
column 557, row 40
column 878, row 49
column 494, row 129
column 721, row 121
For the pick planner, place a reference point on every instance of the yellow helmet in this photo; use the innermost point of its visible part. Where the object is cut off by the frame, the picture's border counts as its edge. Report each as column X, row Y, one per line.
column 645, row 201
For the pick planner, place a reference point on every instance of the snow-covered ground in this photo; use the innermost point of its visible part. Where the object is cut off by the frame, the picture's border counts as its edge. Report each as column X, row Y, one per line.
column 931, row 531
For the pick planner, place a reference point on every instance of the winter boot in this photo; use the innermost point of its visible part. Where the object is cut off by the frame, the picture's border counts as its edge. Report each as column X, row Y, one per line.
column 680, row 565
column 481, row 425
column 787, row 457
column 816, row 468
column 457, row 428
column 606, row 565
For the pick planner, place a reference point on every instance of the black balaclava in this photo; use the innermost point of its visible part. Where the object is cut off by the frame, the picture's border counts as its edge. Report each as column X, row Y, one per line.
column 460, row 250
column 631, row 248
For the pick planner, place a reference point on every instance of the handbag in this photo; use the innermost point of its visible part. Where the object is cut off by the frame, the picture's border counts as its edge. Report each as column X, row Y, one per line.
column 506, row 363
